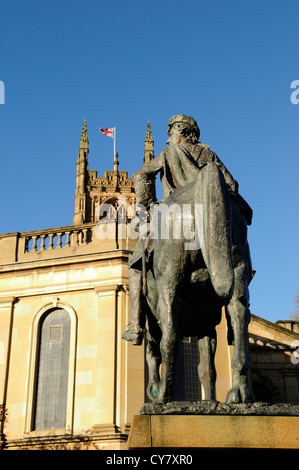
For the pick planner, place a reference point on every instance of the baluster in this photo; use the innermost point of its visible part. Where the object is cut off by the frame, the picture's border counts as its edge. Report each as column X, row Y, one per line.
column 28, row 239
column 59, row 242
column 34, row 237
column 85, row 236
column 75, row 237
column 42, row 246
column 51, row 235
column 80, row 237
column 68, row 241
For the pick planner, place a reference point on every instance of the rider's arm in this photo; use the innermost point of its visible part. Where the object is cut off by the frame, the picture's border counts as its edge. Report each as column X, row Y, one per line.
column 144, row 181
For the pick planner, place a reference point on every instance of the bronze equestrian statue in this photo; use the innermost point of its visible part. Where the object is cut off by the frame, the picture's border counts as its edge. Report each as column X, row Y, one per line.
column 178, row 288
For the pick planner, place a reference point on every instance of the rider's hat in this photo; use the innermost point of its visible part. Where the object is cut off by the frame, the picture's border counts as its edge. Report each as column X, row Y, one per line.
column 181, row 118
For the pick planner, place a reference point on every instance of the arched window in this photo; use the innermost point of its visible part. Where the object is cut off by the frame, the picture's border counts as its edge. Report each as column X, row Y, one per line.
column 51, row 389
column 106, row 211
column 121, row 213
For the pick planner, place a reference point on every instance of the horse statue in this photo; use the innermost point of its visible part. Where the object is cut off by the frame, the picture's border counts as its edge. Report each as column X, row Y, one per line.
column 185, row 281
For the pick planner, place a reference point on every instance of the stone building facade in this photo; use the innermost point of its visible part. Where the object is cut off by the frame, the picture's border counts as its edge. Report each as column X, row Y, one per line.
column 67, row 380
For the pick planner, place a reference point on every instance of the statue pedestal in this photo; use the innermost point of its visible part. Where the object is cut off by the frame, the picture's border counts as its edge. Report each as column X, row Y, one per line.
column 214, row 431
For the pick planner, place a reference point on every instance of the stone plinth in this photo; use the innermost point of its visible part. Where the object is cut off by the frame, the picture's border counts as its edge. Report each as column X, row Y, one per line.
column 214, row 431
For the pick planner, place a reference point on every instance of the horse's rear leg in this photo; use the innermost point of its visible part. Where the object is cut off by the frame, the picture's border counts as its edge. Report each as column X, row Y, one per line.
column 153, row 356
column 168, row 345
column 238, row 311
column 206, row 368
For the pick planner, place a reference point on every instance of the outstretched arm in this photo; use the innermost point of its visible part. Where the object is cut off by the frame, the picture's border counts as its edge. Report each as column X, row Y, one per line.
column 144, row 181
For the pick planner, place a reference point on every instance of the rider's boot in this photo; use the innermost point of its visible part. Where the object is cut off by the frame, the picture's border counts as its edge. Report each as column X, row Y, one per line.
column 134, row 333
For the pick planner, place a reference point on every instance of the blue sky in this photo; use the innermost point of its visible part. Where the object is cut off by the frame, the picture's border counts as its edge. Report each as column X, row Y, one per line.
column 229, row 64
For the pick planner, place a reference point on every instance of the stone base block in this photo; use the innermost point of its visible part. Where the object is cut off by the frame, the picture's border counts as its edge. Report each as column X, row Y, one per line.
column 213, row 431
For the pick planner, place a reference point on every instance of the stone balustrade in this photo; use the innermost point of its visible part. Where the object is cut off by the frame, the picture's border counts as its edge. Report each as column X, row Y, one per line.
column 53, row 239
column 63, row 241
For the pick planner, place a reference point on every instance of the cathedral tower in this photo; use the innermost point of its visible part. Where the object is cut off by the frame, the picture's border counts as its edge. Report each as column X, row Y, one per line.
column 115, row 188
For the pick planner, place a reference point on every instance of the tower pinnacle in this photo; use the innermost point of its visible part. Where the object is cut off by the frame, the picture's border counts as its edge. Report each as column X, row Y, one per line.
column 84, row 136
column 148, row 145
column 81, row 178
column 115, row 163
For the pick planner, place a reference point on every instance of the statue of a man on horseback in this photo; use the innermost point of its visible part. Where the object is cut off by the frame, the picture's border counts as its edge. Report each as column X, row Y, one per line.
column 177, row 291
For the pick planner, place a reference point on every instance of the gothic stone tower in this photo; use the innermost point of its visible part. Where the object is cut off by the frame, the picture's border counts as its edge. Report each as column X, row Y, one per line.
column 92, row 190
column 148, row 145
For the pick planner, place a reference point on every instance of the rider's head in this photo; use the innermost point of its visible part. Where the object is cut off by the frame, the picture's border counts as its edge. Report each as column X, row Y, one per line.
column 184, row 126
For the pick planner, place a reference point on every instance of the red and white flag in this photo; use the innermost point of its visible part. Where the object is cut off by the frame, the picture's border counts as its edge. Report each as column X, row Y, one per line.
column 108, row 132
column 111, row 132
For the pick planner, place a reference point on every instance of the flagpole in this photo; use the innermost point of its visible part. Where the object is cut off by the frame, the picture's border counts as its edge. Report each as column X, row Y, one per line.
column 115, row 154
